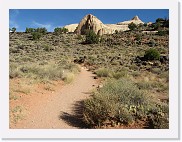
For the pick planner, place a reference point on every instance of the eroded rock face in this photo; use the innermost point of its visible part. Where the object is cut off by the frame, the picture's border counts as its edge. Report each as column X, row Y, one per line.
column 90, row 22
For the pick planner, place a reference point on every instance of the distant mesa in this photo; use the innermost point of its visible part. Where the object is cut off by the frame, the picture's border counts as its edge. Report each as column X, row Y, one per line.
column 91, row 22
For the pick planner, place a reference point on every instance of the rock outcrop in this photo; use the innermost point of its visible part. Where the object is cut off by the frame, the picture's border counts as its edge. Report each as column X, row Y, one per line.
column 71, row 28
column 90, row 22
column 134, row 20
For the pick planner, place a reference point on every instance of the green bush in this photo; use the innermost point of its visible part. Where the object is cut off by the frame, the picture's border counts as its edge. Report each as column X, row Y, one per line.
column 38, row 30
column 13, row 29
column 91, row 37
column 132, row 26
column 152, row 54
column 162, row 33
column 58, row 30
column 30, row 30
column 41, row 30
column 36, row 35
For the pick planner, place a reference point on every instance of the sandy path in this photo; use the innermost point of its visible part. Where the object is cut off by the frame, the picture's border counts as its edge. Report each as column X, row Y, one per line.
column 62, row 110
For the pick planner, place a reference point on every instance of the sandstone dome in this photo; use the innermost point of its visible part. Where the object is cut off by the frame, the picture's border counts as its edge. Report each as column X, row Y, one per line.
column 91, row 22
column 71, row 28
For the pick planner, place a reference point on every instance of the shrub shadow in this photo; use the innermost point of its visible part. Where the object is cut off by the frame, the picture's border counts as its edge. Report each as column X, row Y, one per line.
column 75, row 119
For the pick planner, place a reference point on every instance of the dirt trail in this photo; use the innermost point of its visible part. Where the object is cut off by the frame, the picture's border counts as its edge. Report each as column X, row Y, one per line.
column 62, row 110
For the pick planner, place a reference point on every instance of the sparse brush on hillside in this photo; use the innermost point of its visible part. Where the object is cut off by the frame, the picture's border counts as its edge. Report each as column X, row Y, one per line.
column 43, row 72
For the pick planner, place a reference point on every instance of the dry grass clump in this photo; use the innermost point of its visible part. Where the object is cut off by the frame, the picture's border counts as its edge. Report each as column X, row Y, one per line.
column 68, row 77
column 103, row 72
column 47, row 72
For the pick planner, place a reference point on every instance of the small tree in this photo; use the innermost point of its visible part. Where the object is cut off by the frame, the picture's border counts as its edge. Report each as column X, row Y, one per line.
column 91, row 37
column 36, row 35
column 132, row 26
column 41, row 30
column 13, row 29
column 58, row 30
column 30, row 30
column 64, row 30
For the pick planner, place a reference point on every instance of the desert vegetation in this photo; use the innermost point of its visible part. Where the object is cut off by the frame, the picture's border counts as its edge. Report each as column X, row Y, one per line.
column 133, row 68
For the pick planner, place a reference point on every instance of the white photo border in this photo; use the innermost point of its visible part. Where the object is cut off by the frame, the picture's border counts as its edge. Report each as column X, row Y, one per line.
column 171, row 133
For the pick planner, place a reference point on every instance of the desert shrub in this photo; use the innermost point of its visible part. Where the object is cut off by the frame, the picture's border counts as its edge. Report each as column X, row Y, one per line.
column 44, row 72
column 132, row 26
column 36, row 35
column 151, row 43
column 113, row 102
column 48, row 48
column 71, row 67
column 144, row 85
column 38, row 30
column 13, row 29
column 41, row 30
column 152, row 54
column 79, row 37
column 138, row 37
column 120, row 74
column 14, row 71
column 91, row 37
column 158, row 118
column 29, row 30
column 58, row 30
column 156, row 70
column 103, row 72
column 68, row 77
column 135, row 73
column 116, row 31
column 121, row 101
column 162, row 33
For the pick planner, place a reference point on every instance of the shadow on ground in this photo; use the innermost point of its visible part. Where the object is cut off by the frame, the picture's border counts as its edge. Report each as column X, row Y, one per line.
column 75, row 119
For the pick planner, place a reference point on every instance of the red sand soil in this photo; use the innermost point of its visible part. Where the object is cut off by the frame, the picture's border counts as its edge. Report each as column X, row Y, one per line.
column 60, row 108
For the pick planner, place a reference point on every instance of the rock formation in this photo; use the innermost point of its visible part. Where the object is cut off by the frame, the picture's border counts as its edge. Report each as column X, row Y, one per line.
column 134, row 20
column 71, row 28
column 90, row 22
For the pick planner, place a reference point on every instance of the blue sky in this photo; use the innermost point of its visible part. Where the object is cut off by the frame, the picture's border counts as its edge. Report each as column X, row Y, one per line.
column 51, row 18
